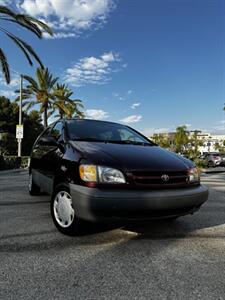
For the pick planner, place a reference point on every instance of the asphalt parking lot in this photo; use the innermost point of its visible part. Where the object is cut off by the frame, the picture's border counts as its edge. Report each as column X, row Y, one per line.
column 158, row 260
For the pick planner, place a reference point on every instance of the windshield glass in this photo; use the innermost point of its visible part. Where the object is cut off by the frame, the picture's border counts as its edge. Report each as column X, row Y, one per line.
column 91, row 130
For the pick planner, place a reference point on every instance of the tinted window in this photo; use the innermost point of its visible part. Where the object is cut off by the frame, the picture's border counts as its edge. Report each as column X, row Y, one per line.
column 44, row 134
column 101, row 131
column 57, row 130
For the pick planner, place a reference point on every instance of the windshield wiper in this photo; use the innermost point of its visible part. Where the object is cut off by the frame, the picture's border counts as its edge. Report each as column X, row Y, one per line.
column 125, row 142
column 129, row 142
column 88, row 139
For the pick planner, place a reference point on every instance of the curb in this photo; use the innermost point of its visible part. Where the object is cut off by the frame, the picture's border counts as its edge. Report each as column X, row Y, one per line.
column 211, row 171
column 12, row 171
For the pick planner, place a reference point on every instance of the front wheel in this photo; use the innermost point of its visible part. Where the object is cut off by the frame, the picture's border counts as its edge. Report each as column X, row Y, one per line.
column 63, row 213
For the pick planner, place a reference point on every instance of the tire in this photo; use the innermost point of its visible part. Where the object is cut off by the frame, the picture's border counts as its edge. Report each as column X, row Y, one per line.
column 63, row 214
column 33, row 188
column 211, row 164
column 170, row 219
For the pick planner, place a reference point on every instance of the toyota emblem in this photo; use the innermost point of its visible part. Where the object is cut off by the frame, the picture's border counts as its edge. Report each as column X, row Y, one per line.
column 165, row 177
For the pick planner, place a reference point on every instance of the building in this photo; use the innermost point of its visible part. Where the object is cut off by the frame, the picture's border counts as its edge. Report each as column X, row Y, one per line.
column 210, row 142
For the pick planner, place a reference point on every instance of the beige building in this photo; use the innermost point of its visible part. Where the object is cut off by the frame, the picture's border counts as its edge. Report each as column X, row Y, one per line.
column 210, row 141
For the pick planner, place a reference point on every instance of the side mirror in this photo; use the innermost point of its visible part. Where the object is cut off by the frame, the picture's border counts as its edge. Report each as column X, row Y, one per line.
column 48, row 141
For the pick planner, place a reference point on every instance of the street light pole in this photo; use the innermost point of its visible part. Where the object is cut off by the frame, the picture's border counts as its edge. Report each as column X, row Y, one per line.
column 20, row 115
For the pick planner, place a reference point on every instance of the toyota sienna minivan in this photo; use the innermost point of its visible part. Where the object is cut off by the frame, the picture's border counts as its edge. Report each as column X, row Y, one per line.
column 104, row 171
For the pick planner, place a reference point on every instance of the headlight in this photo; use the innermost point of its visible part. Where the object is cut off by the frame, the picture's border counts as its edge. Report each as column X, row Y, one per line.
column 109, row 175
column 92, row 173
column 194, row 175
column 88, row 173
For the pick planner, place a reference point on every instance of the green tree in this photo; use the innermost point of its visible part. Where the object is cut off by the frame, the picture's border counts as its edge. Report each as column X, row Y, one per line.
column 32, row 128
column 9, row 120
column 66, row 106
column 181, row 139
column 8, row 114
column 195, row 143
column 161, row 140
column 28, row 22
column 39, row 91
column 220, row 148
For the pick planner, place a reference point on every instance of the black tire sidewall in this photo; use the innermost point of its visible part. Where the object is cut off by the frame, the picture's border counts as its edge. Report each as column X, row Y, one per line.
column 35, row 189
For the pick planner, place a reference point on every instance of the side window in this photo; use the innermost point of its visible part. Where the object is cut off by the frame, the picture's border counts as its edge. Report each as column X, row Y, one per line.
column 43, row 134
column 46, row 132
column 57, row 131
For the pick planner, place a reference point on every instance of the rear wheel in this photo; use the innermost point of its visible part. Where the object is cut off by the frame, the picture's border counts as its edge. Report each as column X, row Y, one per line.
column 33, row 188
column 211, row 164
column 63, row 213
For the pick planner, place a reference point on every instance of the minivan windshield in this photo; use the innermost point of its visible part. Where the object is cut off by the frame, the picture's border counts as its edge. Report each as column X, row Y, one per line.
column 100, row 131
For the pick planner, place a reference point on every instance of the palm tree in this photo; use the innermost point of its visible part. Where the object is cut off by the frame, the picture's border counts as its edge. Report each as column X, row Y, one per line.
column 64, row 104
column 27, row 22
column 40, row 91
column 181, row 138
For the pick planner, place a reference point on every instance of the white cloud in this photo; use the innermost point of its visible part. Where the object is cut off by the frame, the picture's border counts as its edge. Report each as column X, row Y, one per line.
column 92, row 70
column 161, row 130
column 129, row 92
column 8, row 90
column 68, row 18
column 14, row 83
column 8, row 94
column 131, row 119
column 188, row 125
column 135, row 105
column 96, row 114
column 218, row 128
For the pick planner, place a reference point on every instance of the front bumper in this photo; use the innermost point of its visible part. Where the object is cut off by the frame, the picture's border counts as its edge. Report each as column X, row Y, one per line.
column 95, row 204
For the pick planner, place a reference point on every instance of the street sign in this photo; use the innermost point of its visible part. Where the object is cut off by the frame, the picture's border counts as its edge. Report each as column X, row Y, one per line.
column 19, row 131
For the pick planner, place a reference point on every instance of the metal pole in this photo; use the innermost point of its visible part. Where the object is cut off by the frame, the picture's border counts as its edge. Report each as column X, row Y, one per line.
column 20, row 115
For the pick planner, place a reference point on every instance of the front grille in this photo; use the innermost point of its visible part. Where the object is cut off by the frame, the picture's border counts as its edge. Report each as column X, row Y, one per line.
column 155, row 179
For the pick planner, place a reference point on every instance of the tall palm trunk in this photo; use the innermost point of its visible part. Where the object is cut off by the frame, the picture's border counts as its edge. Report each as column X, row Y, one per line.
column 45, row 117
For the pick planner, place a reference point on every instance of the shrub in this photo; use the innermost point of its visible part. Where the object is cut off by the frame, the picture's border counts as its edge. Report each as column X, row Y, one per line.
column 13, row 162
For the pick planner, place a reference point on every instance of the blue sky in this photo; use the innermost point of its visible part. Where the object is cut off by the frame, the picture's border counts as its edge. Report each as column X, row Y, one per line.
column 152, row 64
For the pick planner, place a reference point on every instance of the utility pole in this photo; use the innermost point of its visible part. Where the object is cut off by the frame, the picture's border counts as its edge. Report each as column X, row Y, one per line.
column 19, row 128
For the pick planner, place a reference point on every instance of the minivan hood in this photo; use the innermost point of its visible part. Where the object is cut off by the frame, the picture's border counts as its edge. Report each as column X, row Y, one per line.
column 131, row 157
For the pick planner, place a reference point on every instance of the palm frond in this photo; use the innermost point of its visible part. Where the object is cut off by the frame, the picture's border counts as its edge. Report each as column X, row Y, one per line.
column 31, row 51
column 41, row 24
column 32, row 82
column 30, row 23
column 4, row 66
column 17, row 42
column 6, row 11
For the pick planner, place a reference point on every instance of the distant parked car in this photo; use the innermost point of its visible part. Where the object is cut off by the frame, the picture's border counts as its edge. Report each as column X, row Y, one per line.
column 212, row 159
column 104, row 171
column 223, row 160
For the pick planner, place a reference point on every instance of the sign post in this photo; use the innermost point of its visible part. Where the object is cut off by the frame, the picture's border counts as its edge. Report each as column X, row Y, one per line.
column 19, row 136
column 19, row 128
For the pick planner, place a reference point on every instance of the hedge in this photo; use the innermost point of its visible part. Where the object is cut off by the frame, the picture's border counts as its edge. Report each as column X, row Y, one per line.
column 13, row 162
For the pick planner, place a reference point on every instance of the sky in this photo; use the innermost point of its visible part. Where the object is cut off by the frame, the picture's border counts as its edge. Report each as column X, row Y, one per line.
column 150, row 64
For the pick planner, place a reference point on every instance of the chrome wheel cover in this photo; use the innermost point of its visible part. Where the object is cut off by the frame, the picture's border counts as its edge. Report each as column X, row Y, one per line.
column 63, row 209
